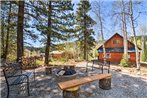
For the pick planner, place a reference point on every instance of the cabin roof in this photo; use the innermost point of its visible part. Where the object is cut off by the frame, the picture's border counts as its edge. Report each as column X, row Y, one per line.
column 121, row 37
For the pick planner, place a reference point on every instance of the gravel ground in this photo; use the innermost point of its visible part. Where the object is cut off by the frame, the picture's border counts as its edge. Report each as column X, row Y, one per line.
column 124, row 85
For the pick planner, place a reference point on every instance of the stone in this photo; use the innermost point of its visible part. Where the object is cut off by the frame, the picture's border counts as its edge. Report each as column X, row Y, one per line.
column 93, row 87
column 55, row 91
column 89, row 90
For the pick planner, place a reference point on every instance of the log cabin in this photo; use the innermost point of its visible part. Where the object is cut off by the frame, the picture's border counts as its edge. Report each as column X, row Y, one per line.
column 115, row 49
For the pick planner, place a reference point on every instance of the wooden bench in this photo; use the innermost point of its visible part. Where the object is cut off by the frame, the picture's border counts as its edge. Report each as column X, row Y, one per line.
column 104, row 83
column 14, row 76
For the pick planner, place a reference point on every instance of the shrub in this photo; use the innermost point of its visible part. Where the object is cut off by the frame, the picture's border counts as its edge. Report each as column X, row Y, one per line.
column 144, row 56
column 124, row 61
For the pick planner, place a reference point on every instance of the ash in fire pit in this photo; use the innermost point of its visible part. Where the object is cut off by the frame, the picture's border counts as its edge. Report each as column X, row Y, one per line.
column 65, row 74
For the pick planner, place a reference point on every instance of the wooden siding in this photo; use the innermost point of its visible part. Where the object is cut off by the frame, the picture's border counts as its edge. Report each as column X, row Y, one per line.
column 115, row 57
column 110, row 44
column 114, row 46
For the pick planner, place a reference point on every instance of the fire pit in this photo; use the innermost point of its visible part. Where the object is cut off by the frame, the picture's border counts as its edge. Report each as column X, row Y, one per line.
column 65, row 74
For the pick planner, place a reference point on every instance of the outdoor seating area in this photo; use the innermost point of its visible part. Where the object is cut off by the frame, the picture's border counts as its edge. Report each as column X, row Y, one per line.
column 73, row 49
column 86, row 85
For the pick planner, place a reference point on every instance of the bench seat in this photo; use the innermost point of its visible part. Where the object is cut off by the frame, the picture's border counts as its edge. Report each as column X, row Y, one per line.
column 77, row 82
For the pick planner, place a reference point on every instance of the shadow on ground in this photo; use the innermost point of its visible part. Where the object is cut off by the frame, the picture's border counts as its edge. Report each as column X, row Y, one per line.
column 45, row 86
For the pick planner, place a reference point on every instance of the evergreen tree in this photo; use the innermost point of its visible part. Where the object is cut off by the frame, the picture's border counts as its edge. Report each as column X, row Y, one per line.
column 20, row 27
column 84, row 31
column 8, row 30
column 11, row 26
column 55, row 22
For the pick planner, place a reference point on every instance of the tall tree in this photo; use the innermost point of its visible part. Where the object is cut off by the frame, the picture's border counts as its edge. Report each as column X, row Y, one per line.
column 98, row 11
column 134, row 33
column 7, row 28
column 60, row 22
column 84, row 22
column 48, row 43
column 8, row 31
column 120, row 10
column 124, row 28
column 20, row 26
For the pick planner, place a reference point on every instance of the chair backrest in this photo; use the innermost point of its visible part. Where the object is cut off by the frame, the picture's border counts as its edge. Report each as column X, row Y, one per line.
column 11, row 69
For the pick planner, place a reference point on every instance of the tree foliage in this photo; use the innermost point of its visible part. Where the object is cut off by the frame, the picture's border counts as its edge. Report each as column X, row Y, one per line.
column 84, row 31
column 55, row 21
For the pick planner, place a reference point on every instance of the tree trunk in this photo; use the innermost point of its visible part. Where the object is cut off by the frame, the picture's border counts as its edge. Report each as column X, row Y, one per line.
column 85, row 46
column 71, row 93
column 85, row 35
column 102, row 34
column 2, row 37
column 134, row 33
column 124, row 29
column 20, row 30
column 98, row 12
column 7, row 38
column 47, row 50
column 105, row 83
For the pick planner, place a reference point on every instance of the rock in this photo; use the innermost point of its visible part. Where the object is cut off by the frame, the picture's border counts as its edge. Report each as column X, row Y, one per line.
column 118, row 70
column 93, row 86
column 82, row 96
column 55, row 91
column 88, row 90
column 48, row 89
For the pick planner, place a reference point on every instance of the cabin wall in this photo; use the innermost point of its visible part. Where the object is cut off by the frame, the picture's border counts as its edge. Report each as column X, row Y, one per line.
column 110, row 44
column 115, row 57
column 56, row 56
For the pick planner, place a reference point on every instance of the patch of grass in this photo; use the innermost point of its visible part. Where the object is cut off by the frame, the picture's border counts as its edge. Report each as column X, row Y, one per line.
column 39, row 62
column 53, row 62
column 57, row 62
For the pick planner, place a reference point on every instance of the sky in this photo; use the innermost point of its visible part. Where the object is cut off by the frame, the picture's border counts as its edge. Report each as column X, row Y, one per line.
column 109, row 28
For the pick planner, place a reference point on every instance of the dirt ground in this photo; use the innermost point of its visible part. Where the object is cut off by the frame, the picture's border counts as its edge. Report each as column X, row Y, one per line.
column 125, row 83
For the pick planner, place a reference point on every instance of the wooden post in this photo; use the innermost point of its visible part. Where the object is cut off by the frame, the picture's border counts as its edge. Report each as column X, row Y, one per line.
column 72, row 67
column 48, row 70
column 65, row 67
column 105, row 83
column 71, row 93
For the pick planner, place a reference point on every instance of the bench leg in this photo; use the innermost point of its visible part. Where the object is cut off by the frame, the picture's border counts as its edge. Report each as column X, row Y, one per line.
column 71, row 93
column 105, row 83
column 34, row 74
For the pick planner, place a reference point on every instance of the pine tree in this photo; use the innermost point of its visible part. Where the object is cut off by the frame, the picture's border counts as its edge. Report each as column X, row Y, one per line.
column 84, row 22
column 20, row 27
column 8, row 30
column 55, row 22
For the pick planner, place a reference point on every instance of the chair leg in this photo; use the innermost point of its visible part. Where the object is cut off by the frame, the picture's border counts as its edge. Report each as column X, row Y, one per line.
column 102, row 69
column 8, row 91
column 28, row 88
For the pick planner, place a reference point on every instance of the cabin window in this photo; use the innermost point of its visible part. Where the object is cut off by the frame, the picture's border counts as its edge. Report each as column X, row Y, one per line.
column 116, row 41
column 108, row 55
